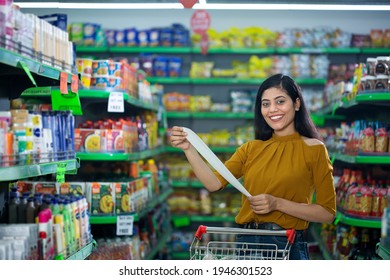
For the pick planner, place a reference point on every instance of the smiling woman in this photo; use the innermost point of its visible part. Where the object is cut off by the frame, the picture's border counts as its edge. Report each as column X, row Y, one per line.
column 282, row 168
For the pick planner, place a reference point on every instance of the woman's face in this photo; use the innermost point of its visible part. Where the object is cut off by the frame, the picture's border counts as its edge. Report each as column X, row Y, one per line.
column 278, row 111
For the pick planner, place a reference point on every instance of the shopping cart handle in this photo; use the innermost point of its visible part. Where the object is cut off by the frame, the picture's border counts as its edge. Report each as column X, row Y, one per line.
column 200, row 231
column 290, row 233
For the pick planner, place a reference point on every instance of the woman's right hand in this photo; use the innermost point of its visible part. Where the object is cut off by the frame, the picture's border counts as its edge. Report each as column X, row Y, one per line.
column 178, row 138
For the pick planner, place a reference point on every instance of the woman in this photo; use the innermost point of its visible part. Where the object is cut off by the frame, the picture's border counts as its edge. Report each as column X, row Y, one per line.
column 282, row 167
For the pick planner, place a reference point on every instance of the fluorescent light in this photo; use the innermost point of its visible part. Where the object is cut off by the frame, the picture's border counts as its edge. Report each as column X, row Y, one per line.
column 203, row 5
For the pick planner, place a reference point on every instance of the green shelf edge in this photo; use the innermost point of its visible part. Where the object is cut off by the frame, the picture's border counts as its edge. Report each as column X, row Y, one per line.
column 373, row 97
column 120, row 156
column 375, row 50
column 383, row 252
column 180, row 255
column 202, row 115
column 358, row 222
column 206, row 219
column 112, row 219
column 26, row 171
column 12, row 58
column 363, row 159
column 211, row 50
column 83, row 253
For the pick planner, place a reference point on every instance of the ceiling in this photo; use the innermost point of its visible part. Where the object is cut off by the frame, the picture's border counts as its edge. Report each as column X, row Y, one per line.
column 350, row 2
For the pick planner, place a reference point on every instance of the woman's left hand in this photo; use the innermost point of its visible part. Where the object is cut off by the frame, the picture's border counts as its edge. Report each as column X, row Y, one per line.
column 263, row 203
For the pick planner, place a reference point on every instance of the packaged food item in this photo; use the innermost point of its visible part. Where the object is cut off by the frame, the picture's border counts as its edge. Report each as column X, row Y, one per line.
column 370, row 82
column 370, row 65
column 100, row 67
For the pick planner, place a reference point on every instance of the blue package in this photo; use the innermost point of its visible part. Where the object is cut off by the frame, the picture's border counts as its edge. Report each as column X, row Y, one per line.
column 160, row 67
column 110, row 36
column 154, row 37
column 143, row 38
column 58, row 20
column 131, row 37
column 174, row 66
column 166, row 37
column 120, row 38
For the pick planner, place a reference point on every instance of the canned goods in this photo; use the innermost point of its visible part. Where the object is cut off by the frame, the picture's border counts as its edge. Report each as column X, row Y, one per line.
column 382, row 65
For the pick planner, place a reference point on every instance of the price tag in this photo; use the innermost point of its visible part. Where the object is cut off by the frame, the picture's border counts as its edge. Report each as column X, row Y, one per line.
column 64, row 83
column 116, row 102
column 60, row 172
column 124, row 225
column 74, row 86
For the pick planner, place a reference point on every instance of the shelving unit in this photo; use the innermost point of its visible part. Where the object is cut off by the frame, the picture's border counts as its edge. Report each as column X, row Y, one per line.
column 11, row 70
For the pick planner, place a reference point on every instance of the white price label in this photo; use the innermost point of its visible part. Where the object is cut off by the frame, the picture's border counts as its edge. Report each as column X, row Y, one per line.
column 116, row 102
column 124, row 225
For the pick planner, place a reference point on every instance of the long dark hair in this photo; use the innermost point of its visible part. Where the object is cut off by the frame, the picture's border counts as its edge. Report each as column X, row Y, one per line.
column 302, row 121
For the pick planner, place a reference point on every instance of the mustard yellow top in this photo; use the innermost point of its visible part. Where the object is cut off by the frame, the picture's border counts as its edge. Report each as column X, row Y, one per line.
column 285, row 167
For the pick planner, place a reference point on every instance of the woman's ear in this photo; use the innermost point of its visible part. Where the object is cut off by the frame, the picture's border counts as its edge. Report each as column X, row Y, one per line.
column 297, row 104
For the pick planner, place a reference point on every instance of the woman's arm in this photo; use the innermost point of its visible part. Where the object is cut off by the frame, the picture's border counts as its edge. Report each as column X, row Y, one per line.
column 265, row 203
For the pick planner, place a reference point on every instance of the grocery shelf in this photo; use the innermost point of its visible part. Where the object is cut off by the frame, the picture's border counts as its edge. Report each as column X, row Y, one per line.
column 226, row 81
column 180, row 255
column 14, row 59
column 157, row 49
column 91, row 49
column 314, row 230
column 201, row 219
column 209, row 115
column 375, row 96
column 347, row 219
column 160, row 244
column 235, row 50
column 375, row 50
column 112, row 219
column 213, row 50
column 215, row 149
column 364, row 159
column 120, row 156
column 382, row 251
column 26, row 171
column 186, row 184
column 83, row 253
column 306, row 50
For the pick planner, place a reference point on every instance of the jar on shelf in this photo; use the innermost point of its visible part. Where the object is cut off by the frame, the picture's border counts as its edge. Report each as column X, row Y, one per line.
column 382, row 82
column 382, row 65
column 370, row 83
column 370, row 65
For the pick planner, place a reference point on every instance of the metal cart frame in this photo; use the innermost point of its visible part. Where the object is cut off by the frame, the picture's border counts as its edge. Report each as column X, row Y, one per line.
column 222, row 250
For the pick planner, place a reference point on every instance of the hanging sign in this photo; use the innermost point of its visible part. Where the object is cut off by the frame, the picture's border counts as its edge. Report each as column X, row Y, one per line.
column 200, row 21
column 188, row 4
column 204, row 43
column 66, row 102
column 74, row 86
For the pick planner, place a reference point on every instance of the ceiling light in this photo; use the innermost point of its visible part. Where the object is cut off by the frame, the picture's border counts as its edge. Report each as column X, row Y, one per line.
column 203, row 5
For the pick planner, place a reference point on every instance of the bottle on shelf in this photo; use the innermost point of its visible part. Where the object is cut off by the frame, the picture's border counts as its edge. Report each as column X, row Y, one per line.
column 22, row 208
column 13, row 205
column 364, row 251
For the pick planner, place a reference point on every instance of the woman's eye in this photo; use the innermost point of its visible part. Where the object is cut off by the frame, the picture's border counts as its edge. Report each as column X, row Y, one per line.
column 265, row 104
column 280, row 101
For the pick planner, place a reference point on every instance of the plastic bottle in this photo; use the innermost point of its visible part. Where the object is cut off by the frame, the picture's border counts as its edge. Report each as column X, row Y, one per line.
column 22, row 208
column 13, row 205
column 152, row 167
column 30, row 211
column 69, row 227
column 76, row 221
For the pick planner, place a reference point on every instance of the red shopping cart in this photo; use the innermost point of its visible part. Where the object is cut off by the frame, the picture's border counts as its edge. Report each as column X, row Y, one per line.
column 228, row 250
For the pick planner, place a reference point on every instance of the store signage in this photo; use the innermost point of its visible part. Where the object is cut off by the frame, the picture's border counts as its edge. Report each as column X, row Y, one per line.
column 116, row 102
column 200, row 21
column 124, row 224
column 74, row 86
column 188, row 4
column 64, row 83
column 66, row 102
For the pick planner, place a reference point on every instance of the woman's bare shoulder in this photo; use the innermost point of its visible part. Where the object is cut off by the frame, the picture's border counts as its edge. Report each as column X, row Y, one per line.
column 312, row 141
